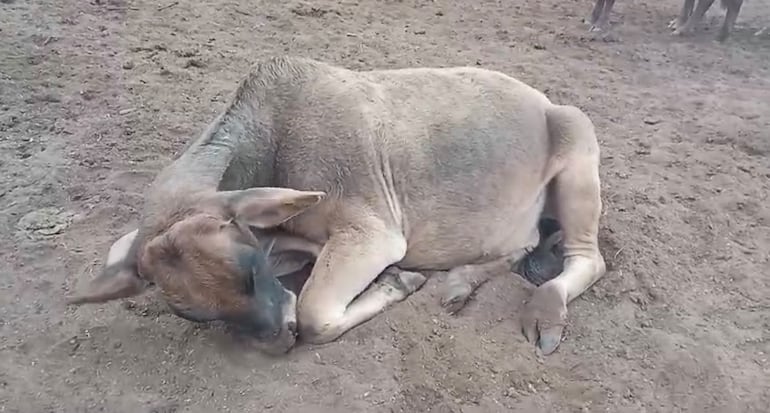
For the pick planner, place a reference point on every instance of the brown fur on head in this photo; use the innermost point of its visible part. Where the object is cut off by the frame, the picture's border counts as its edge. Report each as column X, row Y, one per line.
column 194, row 264
column 205, row 261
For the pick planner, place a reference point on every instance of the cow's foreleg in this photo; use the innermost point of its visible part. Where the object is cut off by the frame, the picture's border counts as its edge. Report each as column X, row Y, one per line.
column 330, row 304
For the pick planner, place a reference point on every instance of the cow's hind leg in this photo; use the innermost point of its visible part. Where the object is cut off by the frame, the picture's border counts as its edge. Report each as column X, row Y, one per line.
column 575, row 196
column 539, row 265
column 462, row 281
column 340, row 293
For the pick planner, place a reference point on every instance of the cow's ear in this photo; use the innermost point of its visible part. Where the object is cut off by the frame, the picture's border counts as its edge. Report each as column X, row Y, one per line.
column 118, row 279
column 267, row 207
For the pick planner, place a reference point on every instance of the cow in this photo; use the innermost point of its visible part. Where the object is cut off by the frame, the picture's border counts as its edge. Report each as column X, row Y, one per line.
column 683, row 25
column 378, row 178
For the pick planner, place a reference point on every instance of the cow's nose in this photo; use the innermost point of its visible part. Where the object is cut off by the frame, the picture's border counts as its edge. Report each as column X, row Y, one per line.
column 292, row 327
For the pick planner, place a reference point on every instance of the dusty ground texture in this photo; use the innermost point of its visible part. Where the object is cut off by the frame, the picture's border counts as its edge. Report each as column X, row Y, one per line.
column 95, row 97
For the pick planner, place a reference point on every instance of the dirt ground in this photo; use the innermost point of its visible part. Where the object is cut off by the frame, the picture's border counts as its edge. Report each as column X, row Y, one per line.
column 96, row 96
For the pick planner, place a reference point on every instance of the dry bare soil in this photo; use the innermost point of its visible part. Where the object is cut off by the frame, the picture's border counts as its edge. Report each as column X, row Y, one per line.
column 96, row 96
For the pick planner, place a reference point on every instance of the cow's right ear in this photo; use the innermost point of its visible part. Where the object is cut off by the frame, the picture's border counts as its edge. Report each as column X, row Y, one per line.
column 267, row 207
column 118, row 279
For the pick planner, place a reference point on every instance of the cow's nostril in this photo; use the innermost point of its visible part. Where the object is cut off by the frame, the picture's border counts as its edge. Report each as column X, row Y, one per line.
column 292, row 326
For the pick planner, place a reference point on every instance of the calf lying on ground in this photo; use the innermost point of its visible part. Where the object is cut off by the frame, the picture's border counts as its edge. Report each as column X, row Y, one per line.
column 378, row 174
column 684, row 24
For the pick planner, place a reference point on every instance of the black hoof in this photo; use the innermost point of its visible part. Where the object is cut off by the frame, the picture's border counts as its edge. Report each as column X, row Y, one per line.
column 546, row 261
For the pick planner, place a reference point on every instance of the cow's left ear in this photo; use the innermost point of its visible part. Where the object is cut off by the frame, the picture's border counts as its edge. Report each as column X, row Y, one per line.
column 267, row 207
column 118, row 279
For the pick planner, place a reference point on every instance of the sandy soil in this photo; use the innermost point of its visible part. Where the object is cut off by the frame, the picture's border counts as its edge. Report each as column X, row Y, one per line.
column 96, row 96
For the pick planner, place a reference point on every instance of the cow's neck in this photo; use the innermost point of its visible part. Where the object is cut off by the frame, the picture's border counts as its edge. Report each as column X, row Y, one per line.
column 235, row 152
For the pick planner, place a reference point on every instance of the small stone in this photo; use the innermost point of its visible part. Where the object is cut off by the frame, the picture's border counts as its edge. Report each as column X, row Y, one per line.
column 651, row 121
column 194, row 63
column 128, row 65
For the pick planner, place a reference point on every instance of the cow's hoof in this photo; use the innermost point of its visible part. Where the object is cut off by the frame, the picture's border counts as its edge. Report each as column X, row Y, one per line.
column 682, row 31
column 675, row 24
column 455, row 296
column 601, row 26
column 544, row 317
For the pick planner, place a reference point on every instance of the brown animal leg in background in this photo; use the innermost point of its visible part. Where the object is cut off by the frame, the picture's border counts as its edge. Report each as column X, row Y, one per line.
column 695, row 18
column 733, row 8
column 684, row 14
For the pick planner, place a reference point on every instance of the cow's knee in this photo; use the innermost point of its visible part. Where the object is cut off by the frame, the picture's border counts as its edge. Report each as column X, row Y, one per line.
column 316, row 326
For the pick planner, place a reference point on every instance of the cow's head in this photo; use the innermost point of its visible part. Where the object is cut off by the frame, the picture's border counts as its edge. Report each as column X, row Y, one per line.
column 208, row 265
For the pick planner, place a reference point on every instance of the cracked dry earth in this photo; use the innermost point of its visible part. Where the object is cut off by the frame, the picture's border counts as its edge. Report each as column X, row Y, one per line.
column 96, row 96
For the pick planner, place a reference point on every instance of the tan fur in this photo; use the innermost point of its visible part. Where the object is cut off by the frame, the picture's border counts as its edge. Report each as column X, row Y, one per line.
column 423, row 169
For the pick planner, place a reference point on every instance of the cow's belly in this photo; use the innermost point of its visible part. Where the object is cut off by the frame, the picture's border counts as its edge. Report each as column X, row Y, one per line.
column 454, row 239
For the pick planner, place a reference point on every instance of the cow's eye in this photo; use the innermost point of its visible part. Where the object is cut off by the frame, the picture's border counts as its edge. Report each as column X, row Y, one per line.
column 249, row 284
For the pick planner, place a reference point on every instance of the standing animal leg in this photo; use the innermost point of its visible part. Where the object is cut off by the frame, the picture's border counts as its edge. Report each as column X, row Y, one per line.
column 575, row 191
column 603, row 23
column 733, row 8
column 695, row 18
column 684, row 14
column 329, row 304
column 596, row 12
